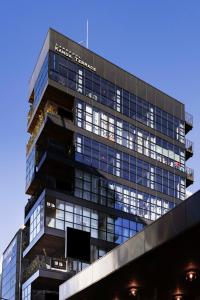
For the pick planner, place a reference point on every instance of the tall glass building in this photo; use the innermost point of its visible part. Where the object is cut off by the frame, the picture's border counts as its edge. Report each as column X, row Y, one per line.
column 11, row 269
column 106, row 155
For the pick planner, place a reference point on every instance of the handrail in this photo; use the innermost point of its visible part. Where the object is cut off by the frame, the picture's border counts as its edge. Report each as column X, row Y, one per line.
column 189, row 145
column 189, row 173
column 189, row 118
column 48, row 263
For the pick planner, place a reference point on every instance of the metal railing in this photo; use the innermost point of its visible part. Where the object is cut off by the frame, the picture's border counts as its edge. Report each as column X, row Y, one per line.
column 47, row 263
column 30, row 112
column 189, row 173
column 38, row 127
column 189, row 145
column 189, row 118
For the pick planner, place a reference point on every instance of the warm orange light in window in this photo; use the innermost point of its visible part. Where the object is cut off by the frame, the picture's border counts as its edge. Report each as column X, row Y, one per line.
column 178, row 297
column 191, row 275
column 133, row 291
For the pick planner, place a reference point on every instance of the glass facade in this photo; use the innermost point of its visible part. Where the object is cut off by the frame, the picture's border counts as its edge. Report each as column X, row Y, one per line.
column 128, row 135
column 36, row 221
column 102, row 226
column 107, row 159
column 30, row 166
column 100, row 159
column 10, row 271
column 96, row 253
column 41, row 81
column 26, row 292
column 111, row 194
column 98, row 128
column 78, row 265
column 93, row 86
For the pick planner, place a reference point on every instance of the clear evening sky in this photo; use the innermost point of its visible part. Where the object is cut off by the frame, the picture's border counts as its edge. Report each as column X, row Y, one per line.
column 158, row 41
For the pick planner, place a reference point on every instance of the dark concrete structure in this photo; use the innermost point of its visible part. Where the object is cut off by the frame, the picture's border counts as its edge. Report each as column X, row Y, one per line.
column 154, row 263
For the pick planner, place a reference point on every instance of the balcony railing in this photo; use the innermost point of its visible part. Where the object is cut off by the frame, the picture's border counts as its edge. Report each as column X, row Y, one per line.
column 189, row 119
column 49, row 109
column 46, row 263
column 188, row 122
column 189, row 175
column 188, row 149
column 189, row 145
column 30, row 113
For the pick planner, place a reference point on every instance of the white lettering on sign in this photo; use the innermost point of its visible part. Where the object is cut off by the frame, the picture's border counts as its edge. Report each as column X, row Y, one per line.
column 73, row 56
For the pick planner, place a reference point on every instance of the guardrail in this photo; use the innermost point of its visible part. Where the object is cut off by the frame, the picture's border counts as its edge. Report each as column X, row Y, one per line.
column 189, row 173
column 47, row 263
column 189, row 119
column 189, row 145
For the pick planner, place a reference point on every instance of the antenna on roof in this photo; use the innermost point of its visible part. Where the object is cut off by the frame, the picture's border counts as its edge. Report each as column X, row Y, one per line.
column 87, row 36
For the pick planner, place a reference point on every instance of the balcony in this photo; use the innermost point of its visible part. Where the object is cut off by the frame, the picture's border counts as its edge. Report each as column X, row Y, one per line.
column 60, row 99
column 49, row 109
column 49, row 264
column 188, row 149
column 56, row 151
column 52, row 158
column 189, row 176
column 30, row 113
column 188, row 122
column 29, row 204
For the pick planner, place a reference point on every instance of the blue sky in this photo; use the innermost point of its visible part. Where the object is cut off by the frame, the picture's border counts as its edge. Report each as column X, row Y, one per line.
column 159, row 41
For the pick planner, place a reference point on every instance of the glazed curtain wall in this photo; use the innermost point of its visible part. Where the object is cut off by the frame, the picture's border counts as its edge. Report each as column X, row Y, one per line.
column 93, row 86
column 107, row 159
column 123, row 133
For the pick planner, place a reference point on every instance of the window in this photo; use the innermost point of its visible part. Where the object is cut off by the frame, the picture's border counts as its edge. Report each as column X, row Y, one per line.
column 79, row 87
column 129, row 136
column 26, row 292
column 122, row 197
column 10, row 271
column 125, row 166
column 30, row 166
column 36, row 222
column 100, row 225
column 40, row 82
column 88, row 83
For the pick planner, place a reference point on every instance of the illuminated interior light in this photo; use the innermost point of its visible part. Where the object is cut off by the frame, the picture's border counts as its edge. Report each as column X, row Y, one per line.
column 191, row 275
column 133, row 291
column 178, row 297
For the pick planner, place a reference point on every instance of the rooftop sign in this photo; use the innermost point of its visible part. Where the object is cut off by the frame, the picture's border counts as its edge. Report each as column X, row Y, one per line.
column 73, row 56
